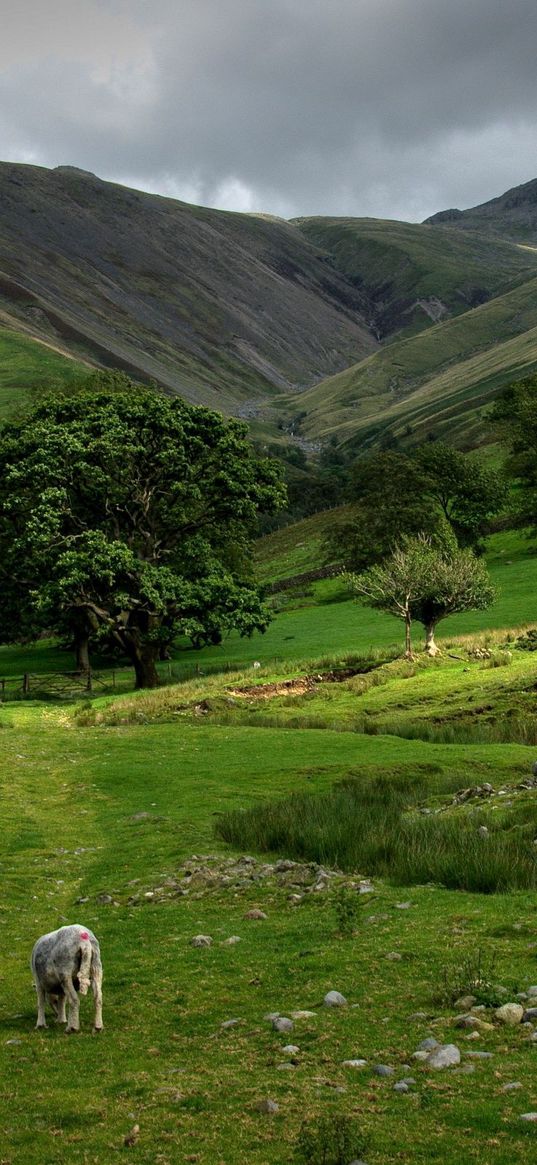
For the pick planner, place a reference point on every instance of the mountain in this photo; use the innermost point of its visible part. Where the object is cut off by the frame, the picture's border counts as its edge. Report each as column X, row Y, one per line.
column 434, row 384
column 414, row 275
column 512, row 216
column 350, row 330
column 220, row 307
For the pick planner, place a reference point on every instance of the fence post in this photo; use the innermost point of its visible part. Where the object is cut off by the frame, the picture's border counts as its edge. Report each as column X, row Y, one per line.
column 89, row 685
column 25, row 684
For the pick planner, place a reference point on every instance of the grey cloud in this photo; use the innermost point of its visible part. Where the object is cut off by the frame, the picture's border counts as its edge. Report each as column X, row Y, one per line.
column 384, row 107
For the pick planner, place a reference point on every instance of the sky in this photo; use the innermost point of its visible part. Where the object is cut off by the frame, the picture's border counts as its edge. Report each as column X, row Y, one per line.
column 384, row 108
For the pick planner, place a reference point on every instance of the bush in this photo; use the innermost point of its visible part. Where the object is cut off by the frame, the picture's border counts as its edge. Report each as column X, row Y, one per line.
column 329, row 1140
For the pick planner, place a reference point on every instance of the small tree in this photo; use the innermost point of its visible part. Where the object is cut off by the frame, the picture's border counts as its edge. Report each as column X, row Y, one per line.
column 425, row 582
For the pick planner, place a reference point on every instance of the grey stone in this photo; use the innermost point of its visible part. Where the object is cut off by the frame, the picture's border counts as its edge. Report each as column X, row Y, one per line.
column 256, row 914
column 383, row 1070
column 354, row 1063
column 466, row 1021
column 401, row 1087
column 479, row 1055
column 420, row 1056
column 512, row 1086
column 408, row 1080
column 303, row 1014
column 201, row 940
column 13, row 1042
column 393, row 956
column 231, row 941
column 445, row 1056
column 403, row 905
column 334, row 999
column 230, row 1023
column 529, row 1116
column 285, row 1067
column 417, row 1015
column 282, row 1024
column 529, row 1015
column 510, row 1014
column 532, row 991
column 290, row 1049
column 267, row 1106
column 428, row 1044
column 465, row 1002
column 464, row 1070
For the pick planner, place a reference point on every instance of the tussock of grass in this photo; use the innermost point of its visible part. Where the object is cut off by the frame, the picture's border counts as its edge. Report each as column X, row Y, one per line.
column 372, row 826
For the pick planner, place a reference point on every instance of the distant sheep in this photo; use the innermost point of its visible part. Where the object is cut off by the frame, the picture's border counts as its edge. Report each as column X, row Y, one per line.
column 64, row 963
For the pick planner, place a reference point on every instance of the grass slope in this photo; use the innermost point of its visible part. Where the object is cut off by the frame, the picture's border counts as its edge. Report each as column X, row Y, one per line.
column 435, row 381
column 413, row 274
column 88, row 814
column 512, row 215
column 26, row 364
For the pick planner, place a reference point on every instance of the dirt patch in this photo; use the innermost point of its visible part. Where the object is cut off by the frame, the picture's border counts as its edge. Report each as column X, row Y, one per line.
column 297, row 687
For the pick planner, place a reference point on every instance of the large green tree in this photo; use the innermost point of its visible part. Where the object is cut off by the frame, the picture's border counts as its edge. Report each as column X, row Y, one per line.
column 437, row 490
column 424, row 583
column 130, row 514
column 515, row 415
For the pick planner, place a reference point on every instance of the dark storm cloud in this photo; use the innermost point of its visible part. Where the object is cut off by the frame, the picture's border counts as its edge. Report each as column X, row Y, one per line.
column 384, row 107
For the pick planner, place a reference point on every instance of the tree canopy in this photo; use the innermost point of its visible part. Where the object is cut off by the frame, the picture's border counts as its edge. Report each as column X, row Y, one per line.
column 424, row 582
column 437, row 490
column 129, row 513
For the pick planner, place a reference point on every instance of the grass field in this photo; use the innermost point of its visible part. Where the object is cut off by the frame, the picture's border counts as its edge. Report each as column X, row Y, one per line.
column 71, row 824
column 25, row 362
column 103, row 800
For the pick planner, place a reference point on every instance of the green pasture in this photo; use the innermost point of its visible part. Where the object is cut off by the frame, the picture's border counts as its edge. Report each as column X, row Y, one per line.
column 26, row 364
column 111, row 812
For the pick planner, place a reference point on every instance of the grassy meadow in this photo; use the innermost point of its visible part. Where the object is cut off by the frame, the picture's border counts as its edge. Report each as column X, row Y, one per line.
column 105, row 797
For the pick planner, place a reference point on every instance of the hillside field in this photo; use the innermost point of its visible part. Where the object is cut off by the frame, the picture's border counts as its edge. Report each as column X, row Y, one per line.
column 113, row 806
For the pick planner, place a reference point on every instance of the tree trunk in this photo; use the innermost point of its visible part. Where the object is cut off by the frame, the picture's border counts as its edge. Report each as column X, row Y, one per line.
column 408, row 641
column 144, row 659
column 82, row 652
column 430, row 645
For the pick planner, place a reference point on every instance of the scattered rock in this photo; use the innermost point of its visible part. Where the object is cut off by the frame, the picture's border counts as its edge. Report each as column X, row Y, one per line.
column 12, row 1042
column 303, row 1014
column 393, row 956
column 403, row 905
column 419, row 1056
column 256, row 914
column 230, row 1023
column 231, row 941
column 445, row 1056
column 465, row 1002
column 334, row 999
column 287, row 1067
column 383, row 1070
column 290, row 1049
column 201, row 940
column 401, row 1087
column 428, row 1044
column 510, row 1014
column 354, row 1063
column 267, row 1106
column 418, row 1015
column 532, row 991
column 529, row 1015
column 529, row 1116
column 282, row 1024
column 512, row 1086
column 365, row 886
column 408, row 1080
column 479, row 1055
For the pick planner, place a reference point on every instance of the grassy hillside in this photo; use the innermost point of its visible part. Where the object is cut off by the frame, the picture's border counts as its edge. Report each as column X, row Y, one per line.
column 25, row 364
column 105, row 809
column 415, row 275
column 431, row 382
column 221, row 307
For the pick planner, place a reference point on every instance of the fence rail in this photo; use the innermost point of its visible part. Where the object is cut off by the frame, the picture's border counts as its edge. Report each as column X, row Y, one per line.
column 70, row 685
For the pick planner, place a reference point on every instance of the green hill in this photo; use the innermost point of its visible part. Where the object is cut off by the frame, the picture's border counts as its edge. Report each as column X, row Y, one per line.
column 26, row 363
column 415, row 275
column 436, row 381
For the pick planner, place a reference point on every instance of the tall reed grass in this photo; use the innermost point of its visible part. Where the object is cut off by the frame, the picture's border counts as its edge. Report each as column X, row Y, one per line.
column 374, row 826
